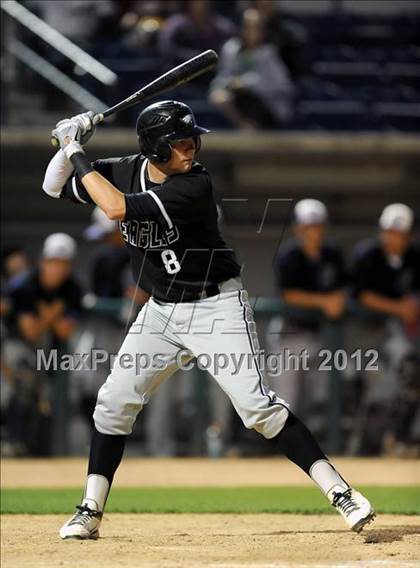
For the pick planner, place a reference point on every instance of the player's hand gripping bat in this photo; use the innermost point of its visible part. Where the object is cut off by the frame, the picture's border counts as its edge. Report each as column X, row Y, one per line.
column 173, row 78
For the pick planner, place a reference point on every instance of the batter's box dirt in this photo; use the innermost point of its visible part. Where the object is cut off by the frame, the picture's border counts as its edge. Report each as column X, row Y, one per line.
column 390, row 535
column 213, row 541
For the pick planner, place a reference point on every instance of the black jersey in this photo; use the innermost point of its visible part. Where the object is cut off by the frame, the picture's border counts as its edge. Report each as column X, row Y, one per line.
column 170, row 229
column 393, row 278
column 26, row 297
column 294, row 270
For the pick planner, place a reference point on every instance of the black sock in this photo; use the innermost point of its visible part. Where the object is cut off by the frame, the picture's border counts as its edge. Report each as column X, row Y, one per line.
column 298, row 444
column 105, row 456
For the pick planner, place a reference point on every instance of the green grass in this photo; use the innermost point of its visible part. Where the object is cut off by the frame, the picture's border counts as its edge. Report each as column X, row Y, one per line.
column 305, row 500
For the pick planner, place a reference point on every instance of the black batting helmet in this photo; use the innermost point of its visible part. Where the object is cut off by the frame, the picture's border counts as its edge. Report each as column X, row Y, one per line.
column 162, row 122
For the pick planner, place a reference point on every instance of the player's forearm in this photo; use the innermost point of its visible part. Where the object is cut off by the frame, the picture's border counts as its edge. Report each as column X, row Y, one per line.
column 105, row 195
column 380, row 303
column 303, row 299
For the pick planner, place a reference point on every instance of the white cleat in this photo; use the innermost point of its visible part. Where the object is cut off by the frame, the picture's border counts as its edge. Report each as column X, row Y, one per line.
column 353, row 507
column 83, row 525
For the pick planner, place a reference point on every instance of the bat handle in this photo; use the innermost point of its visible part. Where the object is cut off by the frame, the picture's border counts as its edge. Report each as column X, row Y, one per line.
column 98, row 118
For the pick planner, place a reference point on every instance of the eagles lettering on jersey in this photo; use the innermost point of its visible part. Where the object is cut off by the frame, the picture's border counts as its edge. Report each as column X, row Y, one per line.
column 147, row 234
column 170, row 229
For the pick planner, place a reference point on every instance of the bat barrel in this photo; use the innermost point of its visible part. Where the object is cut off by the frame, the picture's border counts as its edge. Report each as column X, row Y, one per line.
column 179, row 75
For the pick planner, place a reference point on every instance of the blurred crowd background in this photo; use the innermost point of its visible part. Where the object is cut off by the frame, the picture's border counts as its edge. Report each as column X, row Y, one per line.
column 315, row 108
column 293, row 64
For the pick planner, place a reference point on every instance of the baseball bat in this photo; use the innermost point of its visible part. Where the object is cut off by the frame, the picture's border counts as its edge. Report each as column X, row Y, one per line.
column 176, row 76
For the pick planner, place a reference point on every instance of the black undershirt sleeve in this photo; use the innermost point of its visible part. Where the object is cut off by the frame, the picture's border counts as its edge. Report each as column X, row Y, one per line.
column 75, row 191
column 115, row 170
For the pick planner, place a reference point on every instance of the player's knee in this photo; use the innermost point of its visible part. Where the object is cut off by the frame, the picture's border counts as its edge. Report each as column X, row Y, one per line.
column 114, row 415
column 112, row 423
column 271, row 423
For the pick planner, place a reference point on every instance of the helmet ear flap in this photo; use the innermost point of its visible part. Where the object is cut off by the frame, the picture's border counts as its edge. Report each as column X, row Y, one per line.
column 159, row 152
column 164, row 152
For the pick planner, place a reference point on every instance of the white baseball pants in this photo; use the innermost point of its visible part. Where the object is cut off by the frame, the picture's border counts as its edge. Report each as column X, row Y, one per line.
column 220, row 332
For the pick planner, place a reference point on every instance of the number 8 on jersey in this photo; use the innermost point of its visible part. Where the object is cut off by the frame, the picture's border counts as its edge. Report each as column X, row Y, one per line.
column 170, row 261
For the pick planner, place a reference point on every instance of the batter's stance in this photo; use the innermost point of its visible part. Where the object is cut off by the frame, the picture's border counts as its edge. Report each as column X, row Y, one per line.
column 168, row 218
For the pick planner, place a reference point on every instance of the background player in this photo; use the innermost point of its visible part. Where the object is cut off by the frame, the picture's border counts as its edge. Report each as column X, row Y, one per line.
column 386, row 270
column 168, row 218
column 310, row 276
column 386, row 285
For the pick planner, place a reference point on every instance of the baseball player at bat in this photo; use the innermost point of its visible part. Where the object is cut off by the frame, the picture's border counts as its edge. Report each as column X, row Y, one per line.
column 163, row 200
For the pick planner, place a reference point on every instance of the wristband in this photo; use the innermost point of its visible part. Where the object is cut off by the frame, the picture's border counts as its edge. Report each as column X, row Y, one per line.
column 81, row 164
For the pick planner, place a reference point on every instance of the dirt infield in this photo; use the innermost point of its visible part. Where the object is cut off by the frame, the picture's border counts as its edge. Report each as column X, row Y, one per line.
column 198, row 472
column 212, row 541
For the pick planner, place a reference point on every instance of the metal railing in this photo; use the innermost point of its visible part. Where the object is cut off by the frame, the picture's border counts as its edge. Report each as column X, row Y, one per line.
column 63, row 45
column 59, row 42
column 55, row 76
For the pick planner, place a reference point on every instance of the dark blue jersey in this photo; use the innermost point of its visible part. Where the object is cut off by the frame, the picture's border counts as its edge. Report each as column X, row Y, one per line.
column 391, row 277
column 294, row 270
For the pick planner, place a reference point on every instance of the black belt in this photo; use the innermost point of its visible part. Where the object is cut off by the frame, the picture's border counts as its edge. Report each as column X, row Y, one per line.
column 208, row 292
